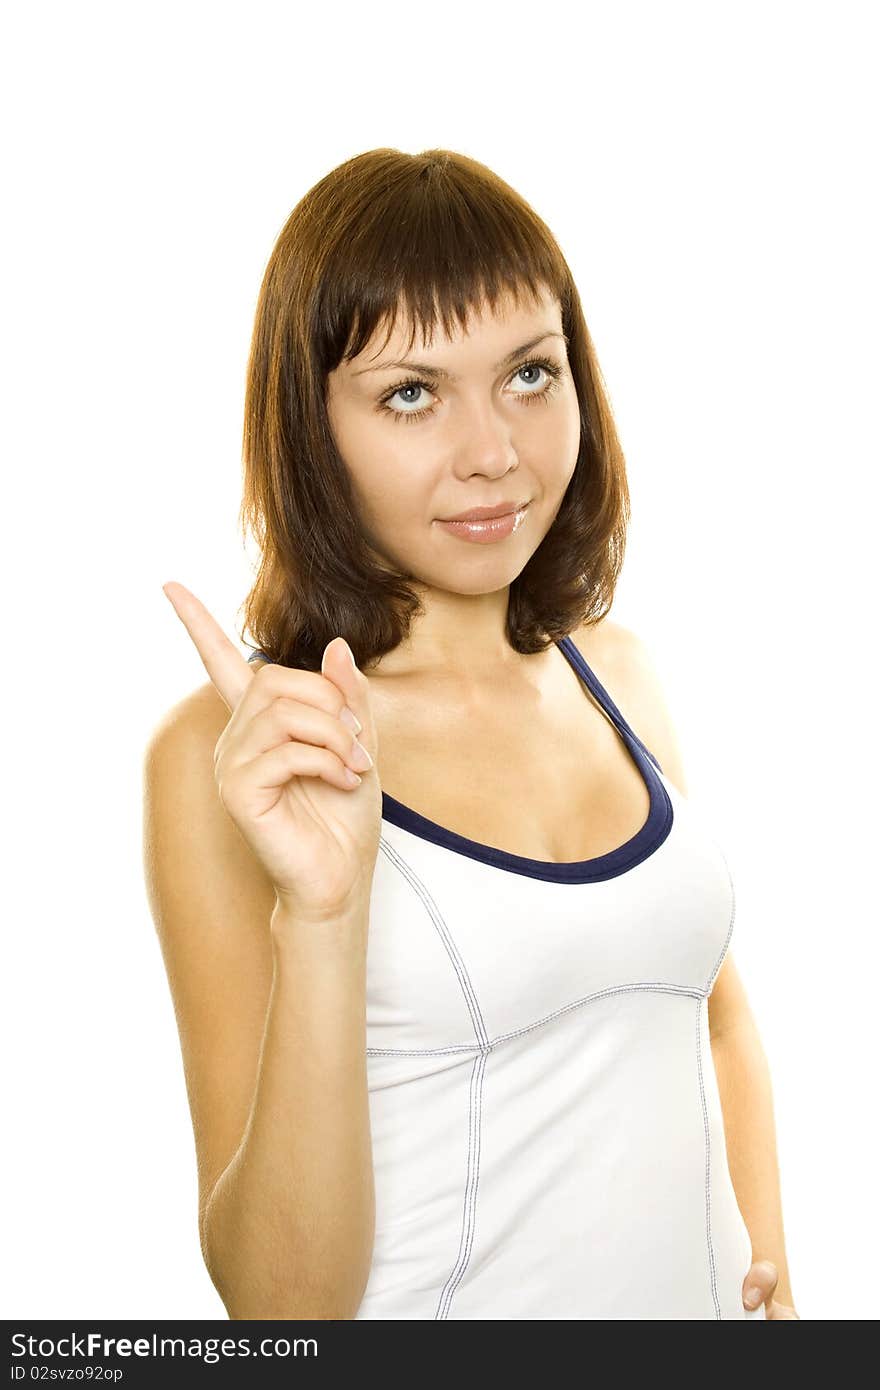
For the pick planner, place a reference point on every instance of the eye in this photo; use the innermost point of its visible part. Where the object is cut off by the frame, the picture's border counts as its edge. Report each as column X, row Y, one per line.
column 528, row 397
column 408, row 399
column 532, row 367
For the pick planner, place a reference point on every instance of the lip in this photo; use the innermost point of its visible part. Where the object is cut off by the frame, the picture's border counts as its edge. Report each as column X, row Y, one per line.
column 492, row 528
column 486, row 513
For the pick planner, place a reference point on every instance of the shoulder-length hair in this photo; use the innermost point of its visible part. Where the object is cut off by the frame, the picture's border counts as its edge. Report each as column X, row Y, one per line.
column 429, row 236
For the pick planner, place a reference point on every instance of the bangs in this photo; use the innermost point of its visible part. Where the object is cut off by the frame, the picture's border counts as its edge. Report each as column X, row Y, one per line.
column 433, row 245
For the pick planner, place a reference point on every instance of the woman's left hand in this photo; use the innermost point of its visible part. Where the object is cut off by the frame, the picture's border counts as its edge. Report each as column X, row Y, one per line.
column 763, row 1276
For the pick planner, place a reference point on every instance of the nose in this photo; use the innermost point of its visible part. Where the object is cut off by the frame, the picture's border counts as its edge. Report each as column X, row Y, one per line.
column 484, row 443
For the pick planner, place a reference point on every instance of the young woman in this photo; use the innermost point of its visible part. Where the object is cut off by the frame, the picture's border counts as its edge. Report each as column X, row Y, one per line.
column 448, row 945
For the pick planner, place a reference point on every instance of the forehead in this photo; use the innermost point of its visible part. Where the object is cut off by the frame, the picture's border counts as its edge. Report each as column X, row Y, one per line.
column 505, row 324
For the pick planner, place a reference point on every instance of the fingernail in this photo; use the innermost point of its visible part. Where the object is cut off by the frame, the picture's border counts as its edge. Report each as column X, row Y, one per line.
column 350, row 654
column 350, row 718
column 753, row 1297
column 360, row 759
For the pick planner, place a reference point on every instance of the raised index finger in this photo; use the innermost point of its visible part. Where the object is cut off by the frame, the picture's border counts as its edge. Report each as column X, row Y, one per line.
column 224, row 663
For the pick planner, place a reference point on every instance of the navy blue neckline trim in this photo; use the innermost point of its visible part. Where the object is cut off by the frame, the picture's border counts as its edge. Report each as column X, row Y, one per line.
column 617, row 861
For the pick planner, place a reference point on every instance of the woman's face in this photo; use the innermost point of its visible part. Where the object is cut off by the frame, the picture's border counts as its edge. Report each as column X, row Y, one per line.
column 471, row 426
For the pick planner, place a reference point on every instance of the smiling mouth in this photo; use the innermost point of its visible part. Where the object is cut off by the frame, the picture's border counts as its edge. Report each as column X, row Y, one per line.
column 487, row 513
column 493, row 528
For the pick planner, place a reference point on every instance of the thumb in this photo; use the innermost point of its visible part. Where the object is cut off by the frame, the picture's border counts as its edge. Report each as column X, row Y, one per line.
column 338, row 664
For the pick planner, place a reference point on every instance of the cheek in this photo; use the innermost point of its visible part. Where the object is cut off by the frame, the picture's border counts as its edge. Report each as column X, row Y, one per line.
column 552, row 447
column 379, row 468
column 393, row 496
column 569, row 443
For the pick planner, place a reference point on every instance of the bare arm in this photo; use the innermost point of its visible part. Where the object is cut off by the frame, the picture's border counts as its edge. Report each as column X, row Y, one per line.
column 271, row 1016
column 288, row 1228
column 750, row 1132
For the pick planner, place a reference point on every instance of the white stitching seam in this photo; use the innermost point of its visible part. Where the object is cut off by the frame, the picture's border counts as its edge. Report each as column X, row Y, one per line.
column 713, row 1279
column 485, row 1046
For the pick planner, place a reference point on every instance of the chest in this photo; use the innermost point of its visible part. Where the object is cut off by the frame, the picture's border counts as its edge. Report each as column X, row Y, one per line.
column 537, row 771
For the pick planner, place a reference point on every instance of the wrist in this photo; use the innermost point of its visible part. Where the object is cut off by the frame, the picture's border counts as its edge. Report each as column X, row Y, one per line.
column 346, row 921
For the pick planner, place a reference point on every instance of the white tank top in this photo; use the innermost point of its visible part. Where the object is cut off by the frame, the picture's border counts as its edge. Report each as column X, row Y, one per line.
column 547, row 1133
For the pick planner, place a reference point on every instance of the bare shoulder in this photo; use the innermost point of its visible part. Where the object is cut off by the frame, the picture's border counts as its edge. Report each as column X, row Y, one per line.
column 600, row 642
column 617, row 655
column 180, row 789
column 191, row 720
column 181, row 795
column 628, row 669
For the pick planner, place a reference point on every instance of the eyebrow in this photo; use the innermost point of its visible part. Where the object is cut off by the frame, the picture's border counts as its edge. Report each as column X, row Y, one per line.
column 431, row 370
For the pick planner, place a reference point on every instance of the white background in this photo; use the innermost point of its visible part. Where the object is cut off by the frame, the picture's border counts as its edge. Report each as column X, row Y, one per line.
column 710, row 173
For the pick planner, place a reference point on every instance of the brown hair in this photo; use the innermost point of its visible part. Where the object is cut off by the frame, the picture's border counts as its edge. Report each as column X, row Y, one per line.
column 432, row 235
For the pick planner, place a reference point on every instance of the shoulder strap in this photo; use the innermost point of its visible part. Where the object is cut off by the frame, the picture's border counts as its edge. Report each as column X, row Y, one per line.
column 578, row 661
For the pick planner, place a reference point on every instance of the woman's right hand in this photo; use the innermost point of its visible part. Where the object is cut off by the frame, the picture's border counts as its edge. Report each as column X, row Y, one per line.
column 280, row 766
